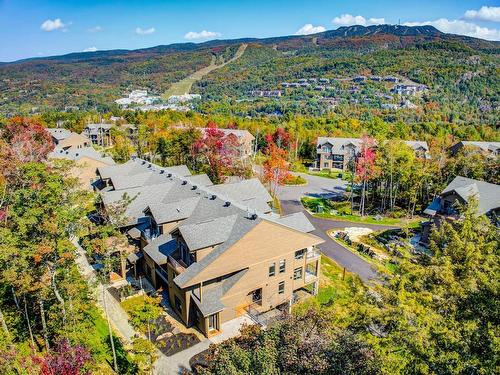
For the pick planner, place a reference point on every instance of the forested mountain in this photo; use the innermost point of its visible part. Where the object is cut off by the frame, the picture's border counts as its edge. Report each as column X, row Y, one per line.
column 461, row 73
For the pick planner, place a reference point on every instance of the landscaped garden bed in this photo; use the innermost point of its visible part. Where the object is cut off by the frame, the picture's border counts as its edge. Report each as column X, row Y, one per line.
column 148, row 317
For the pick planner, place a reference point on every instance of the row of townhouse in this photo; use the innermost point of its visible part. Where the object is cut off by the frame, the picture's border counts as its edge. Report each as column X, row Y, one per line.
column 336, row 153
column 216, row 251
column 100, row 134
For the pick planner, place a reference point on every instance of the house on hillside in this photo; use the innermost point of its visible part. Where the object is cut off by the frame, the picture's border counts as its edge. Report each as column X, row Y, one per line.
column 86, row 162
column 213, row 249
column 99, row 134
column 460, row 191
column 65, row 139
column 486, row 148
column 336, row 153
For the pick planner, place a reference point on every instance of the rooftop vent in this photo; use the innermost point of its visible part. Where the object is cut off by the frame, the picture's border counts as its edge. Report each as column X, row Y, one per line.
column 184, row 182
column 194, row 187
column 227, row 204
column 162, row 171
column 213, row 197
column 251, row 215
column 143, row 162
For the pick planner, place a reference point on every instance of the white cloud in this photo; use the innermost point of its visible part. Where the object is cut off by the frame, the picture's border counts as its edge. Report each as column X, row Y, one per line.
column 141, row 31
column 460, row 27
column 484, row 14
column 349, row 20
column 95, row 29
column 204, row 34
column 308, row 29
column 90, row 49
column 51, row 25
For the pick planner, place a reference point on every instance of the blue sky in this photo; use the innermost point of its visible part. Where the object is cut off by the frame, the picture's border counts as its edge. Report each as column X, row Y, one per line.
column 30, row 28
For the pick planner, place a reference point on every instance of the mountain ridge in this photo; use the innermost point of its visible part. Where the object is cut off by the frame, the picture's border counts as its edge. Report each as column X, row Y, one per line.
column 355, row 31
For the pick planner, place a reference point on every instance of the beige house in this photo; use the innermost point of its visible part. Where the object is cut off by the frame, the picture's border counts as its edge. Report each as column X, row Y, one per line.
column 486, row 148
column 217, row 250
column 65, row 139
column 86, row 162
column 336, row 153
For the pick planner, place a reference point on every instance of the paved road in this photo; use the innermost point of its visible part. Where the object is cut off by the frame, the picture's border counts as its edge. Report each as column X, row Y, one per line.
column 327, row 187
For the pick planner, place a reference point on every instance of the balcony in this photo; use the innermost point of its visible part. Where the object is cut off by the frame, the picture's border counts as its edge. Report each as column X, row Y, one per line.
column 312, row 255
column 310, row 277
column 178, row 265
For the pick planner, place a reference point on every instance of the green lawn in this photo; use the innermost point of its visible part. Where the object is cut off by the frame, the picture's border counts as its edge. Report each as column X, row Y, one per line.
column 343, row 209
column 333, row 287
column 334, row 173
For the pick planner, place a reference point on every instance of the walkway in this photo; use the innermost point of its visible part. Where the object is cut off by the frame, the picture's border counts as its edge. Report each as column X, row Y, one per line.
column 179, row 362
column 118, row 318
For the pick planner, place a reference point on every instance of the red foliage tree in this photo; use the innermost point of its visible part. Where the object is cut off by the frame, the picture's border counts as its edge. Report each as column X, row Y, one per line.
column 28, row 140
column 280, row 138
column 219, row 151
column 365, row 167
column 64, row 359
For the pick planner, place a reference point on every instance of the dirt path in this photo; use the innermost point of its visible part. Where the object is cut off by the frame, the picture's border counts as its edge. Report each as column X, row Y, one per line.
column 184, row 86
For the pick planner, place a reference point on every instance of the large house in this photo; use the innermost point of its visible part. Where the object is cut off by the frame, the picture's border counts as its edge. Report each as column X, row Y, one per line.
column 99, row 134
column 65, row 139
column 86, row 162
column 487, row 148
column 460, row 191
column 216, row 250
column 335, row 153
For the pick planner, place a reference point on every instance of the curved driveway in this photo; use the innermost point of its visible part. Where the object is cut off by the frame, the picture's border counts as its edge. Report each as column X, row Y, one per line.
column 328, row 187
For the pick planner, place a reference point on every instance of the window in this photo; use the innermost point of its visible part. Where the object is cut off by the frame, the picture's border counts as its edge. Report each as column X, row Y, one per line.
column 281, row 287
column 282, row 265
column 325, row 165
column 178, row 304
column 212, row 322
column 272, row 269
column 299, row 254
column 297, row 273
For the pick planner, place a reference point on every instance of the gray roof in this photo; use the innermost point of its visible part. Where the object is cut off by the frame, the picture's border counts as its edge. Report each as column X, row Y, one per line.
column 250, row 193
column 178, row 210
column 141, row 197
column 160, row 248
column 488, row 195
column 297, row 221
column 95, row 128
column 207, row 233
column 76, row 154
column 338, row 143
column 59, row 133
column 486, row 146
column 418, row 144
column 220, row 215
column 200, row 179
column 212, row 295
column 140, row 173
